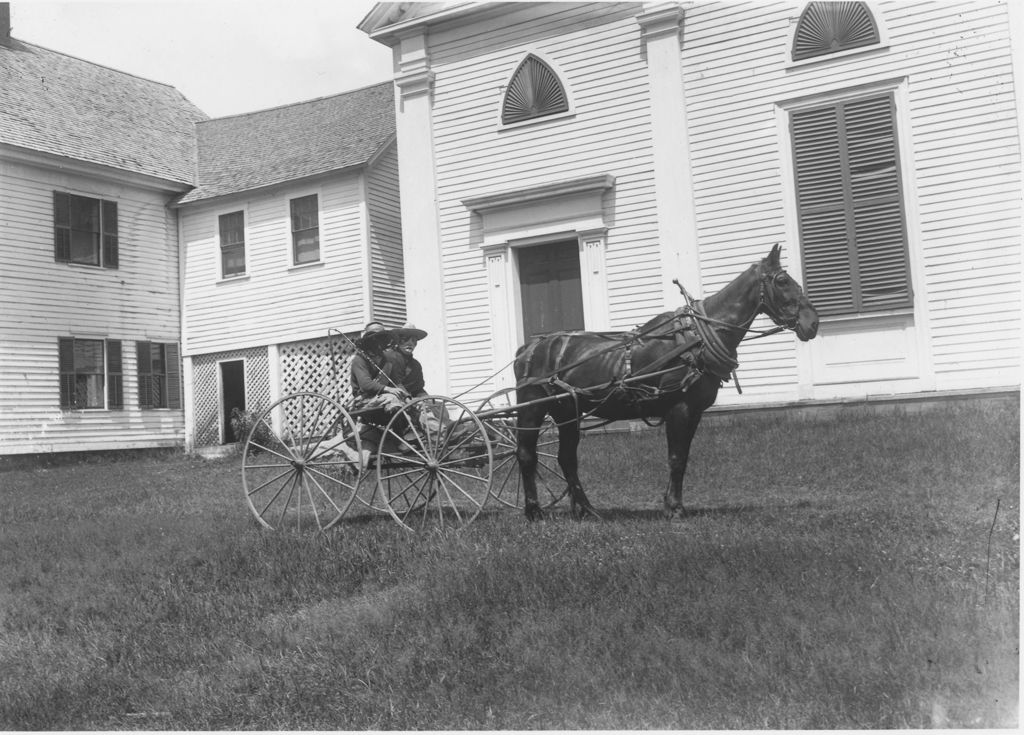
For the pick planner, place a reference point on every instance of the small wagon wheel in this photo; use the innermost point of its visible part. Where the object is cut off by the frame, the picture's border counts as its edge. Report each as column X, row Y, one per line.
column 302, row 463
column 434, row 465
column 507, row 486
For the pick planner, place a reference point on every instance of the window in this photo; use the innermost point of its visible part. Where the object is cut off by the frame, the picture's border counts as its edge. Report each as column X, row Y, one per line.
column 159, row 375
column 853, row 234
column 829, row 27
column 534, row 91
column 305, row 230
column 84, row 230
column 232, row 244
column 84, row 374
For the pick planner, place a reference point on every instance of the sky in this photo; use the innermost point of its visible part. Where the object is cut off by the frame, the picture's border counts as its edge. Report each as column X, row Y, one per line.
column 227, row 57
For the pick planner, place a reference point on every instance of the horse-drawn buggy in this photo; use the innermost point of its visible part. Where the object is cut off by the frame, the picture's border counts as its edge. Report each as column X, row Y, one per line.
column 308, row 460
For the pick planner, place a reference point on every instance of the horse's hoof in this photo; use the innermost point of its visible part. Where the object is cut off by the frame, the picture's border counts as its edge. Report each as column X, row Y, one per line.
column 583, row 512
column 533, row 512
column 673, row 514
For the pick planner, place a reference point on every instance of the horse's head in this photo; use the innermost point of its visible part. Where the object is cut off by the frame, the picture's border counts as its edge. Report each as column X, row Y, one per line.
column 783, row 300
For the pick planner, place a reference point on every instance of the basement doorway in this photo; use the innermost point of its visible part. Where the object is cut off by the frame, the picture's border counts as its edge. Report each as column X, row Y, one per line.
column 232, row 391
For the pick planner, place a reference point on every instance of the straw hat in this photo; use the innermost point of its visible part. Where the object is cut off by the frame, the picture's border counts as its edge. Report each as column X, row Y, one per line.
column 407, row 331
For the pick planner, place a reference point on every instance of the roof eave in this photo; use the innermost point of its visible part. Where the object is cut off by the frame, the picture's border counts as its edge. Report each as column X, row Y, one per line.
column 37, row 157
column 265, row 188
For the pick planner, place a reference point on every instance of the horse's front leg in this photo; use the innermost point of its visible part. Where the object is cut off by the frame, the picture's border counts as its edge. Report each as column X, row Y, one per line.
column 681, row 423
column 568, row 460
column 527, row 432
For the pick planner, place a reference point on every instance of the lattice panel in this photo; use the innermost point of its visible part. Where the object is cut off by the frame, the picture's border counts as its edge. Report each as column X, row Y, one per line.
column 319, row 366
column 206, row 389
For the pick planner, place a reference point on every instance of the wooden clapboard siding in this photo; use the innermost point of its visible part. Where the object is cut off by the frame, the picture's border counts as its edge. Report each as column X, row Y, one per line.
column 965, row 155
column 42, row 300
column 596, row 51
column 275, row 301
column 387, row 277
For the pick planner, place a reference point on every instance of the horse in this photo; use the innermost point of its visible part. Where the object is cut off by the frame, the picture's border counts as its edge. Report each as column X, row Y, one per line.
column 668, row 369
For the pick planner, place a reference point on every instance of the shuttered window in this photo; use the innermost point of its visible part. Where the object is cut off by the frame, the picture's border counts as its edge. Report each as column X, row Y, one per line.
column 305, row 215
column 84, row 373
column 850, row 206
column 159, row 375
column 534, row 91
column 830, row 27
column 84, row 230
column 232, row 244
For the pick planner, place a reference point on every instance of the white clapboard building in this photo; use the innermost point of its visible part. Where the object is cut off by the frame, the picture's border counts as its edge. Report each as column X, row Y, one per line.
column 90, row 312
column 561, row 163
column 160, row 269
column 291, row 240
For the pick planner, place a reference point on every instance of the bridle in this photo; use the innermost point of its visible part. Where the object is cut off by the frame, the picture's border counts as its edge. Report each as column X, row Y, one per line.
column 765, row 305
column 768, row 306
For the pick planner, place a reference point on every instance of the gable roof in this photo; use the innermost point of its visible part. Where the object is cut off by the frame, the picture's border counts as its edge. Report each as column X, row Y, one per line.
column 59, row 104
column 267, row 147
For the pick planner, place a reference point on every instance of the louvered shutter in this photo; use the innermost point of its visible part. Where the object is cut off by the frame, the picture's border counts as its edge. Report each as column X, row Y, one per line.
column 61, row 227
column 66, row 368
column 850, row 206
column 145, row 372
column 115, row 378
column 110, row 240
column 822, row 209
column 881, row 234
column 173, row 376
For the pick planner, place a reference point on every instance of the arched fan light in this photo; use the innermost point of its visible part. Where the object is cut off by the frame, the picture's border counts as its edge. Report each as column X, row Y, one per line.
column 828, row 27
column 534, row 91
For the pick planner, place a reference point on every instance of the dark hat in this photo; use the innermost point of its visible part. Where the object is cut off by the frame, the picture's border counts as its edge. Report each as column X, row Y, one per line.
column 374, row 331
column 409, row 330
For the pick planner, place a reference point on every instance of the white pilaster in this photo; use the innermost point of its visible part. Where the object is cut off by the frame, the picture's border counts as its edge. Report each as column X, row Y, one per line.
column 661, row 27
column 421, row 238
column 594, row 279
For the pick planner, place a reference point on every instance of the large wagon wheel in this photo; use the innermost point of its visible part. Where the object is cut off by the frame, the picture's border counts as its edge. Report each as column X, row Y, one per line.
column 507, row 486
column 302, row 463
column 434, row 465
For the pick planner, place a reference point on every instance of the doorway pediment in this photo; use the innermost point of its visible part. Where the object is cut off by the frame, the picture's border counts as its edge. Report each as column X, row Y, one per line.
column 573, row 205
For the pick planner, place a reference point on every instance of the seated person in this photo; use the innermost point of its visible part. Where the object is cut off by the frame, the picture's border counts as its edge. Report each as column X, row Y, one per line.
column 406, row 366
column 376, row 380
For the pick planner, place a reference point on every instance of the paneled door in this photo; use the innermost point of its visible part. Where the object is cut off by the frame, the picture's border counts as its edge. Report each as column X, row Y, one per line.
column 550, row 285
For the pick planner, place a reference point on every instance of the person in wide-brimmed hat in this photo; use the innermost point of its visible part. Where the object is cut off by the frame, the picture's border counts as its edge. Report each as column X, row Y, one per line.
column 375, row 379
column 407, row 367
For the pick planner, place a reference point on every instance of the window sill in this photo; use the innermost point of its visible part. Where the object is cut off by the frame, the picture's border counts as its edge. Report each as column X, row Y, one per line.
column 537, row 121
column 305, row 266
column 233, row 279
column 867, row 316
column 838, row 56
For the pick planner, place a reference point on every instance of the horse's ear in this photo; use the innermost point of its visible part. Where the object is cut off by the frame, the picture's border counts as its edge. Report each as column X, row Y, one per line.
column 774, row 259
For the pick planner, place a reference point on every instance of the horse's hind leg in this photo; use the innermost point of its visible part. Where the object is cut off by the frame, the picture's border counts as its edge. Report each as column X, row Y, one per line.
column 568, row 442
column 528, row 424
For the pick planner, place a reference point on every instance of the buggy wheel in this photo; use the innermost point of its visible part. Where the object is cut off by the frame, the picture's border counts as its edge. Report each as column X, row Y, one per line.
column 507, row 485
column 434, row 464
column 301, row 464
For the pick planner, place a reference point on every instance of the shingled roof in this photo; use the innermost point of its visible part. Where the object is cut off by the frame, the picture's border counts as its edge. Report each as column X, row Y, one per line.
column 59, row 104
column 267, row 147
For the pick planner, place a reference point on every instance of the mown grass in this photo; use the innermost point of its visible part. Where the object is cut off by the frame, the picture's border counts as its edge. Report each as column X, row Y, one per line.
column 844, row 573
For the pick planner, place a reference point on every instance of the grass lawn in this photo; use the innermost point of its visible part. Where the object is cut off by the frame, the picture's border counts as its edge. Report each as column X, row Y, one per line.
column 860, row 571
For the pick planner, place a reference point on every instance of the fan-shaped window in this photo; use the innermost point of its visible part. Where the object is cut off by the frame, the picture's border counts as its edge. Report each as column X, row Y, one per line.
column 829, row 27
column 534, row 91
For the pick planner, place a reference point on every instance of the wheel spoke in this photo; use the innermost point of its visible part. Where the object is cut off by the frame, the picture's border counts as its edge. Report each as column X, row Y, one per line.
column 295, row 465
